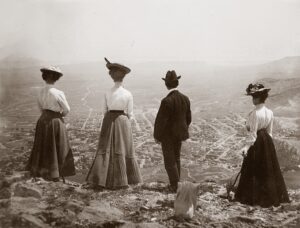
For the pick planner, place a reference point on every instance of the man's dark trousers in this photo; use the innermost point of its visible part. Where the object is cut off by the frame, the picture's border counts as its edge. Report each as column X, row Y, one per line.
column 171, row 152
column 170, row 129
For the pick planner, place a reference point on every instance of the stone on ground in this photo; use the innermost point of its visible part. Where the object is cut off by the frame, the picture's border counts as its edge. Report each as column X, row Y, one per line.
column 23, row 190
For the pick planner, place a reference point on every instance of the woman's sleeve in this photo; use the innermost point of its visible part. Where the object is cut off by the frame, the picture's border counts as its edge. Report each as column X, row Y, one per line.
column 130, row 107
column 270, row 126
column 62, row 101
column 252, row 125
column 105, row 106
column 39, row 102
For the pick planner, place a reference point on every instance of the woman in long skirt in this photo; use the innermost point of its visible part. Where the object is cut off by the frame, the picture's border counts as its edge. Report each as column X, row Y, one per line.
column 51, row 156
column 115, row 165
column 261, row 182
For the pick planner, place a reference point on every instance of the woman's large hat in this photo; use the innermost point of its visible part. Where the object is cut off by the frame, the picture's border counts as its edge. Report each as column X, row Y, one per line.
column 256, row 89
column 171, row 76
column 118, row 66
column 52, row 69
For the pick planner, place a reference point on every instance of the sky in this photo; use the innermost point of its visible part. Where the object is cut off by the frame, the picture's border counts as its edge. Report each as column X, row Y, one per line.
column 215, row 31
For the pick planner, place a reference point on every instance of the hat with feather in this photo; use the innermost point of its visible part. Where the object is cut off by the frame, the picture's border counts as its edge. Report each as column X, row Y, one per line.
column 255, row 89
column 116, row 66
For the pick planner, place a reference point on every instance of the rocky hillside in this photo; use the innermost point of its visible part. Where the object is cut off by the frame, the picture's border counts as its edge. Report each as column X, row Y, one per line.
column 40, row 204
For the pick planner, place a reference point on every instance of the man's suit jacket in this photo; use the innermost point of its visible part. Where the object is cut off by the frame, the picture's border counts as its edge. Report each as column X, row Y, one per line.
column 173, row 117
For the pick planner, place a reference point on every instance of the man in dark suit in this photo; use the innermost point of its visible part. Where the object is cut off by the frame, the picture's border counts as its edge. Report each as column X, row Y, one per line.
column 171, row 126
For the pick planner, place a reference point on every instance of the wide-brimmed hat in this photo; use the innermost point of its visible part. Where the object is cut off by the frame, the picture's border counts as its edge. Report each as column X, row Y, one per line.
column 256, row 89
column 52, row 69
column 118, row 66
column 171, row 76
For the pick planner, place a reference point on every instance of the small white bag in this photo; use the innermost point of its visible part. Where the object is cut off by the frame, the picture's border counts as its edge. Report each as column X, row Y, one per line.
column 186, row 199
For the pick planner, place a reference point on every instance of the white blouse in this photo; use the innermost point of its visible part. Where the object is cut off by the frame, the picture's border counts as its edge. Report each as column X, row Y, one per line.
column 259, row 118
column 53, row 99
column 118, row 98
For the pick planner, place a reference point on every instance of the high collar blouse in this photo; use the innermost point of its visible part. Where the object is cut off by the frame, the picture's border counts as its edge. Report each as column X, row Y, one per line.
column 118, row 98
column 259, row 118
column 53, row 99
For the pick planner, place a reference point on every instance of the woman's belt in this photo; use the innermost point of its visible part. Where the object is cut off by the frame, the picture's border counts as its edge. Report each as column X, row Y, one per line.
column 261, row 130
column 117, row 111
column 51, row 113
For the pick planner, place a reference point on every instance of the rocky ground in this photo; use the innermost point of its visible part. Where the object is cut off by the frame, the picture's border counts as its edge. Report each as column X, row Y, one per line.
column 38, row 203
column 209, row 157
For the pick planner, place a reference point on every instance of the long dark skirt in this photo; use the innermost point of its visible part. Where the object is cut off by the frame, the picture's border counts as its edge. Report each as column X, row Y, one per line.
column 51, row 156
column 261, row 182
column 115, row 165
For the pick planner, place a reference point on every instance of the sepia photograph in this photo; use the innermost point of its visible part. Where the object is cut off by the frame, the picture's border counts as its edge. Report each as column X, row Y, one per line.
column 149, row 114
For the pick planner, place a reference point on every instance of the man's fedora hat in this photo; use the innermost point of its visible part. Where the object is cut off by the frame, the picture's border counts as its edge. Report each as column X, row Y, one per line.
column 171, row 76
column 52, row 69
column 118, row 66
column 257, row 88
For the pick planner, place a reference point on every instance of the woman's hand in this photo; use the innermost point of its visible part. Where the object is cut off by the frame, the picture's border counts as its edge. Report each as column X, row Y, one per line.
column 247, row 126
column 245, row 151
column 157, row 142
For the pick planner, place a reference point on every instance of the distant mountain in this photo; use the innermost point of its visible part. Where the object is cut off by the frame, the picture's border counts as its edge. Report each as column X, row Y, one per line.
column 16, row 61
column 288, row 67
column 284, row 96
column 283, row 77
column 195, row 75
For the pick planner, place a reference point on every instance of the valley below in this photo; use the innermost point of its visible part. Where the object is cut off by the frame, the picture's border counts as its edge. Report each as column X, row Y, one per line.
column 210, row 157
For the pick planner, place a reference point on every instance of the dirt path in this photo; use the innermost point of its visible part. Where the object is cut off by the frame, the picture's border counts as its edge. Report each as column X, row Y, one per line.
column 233, row 121
column 219, row 143
column 147, row 121
column 226, row 125
column 85, row 104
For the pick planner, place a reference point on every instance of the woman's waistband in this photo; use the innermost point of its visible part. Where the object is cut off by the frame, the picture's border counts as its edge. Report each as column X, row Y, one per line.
column 51, row 113
column 117, row 111
column 261, row 130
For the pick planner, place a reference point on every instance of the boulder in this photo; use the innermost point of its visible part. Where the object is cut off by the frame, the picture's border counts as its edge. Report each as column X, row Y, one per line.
column 297, row 196
column 149, row 225
column 5, row 193
column 27, row 191
column 15, row 177
column 33, row 222
column 294, row 206
column 4, row 203
column 125, row 224
column 28, row 205
column 100, row 212
column 74, row 206
column 4, row 184
column 207, row 187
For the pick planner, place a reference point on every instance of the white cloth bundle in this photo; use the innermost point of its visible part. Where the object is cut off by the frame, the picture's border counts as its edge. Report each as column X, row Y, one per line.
column 186, row 199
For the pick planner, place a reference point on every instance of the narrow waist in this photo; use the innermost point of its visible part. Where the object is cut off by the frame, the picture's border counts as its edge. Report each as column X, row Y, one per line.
column 51, row 113
column 117, row 111
column 262, row 130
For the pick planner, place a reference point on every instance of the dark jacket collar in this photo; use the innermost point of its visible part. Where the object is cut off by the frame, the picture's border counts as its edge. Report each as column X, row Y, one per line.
column 172, row 92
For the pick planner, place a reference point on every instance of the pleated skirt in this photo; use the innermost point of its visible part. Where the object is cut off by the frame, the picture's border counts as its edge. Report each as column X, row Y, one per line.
column 115, row 164
column 261, row 182
column 51, row 155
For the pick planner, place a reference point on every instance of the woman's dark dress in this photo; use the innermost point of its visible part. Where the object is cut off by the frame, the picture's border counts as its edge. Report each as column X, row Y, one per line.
column 51, row 156
column 261, row 182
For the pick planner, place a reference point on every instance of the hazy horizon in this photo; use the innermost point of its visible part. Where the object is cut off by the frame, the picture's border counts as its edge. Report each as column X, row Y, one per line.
column 229, row 32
